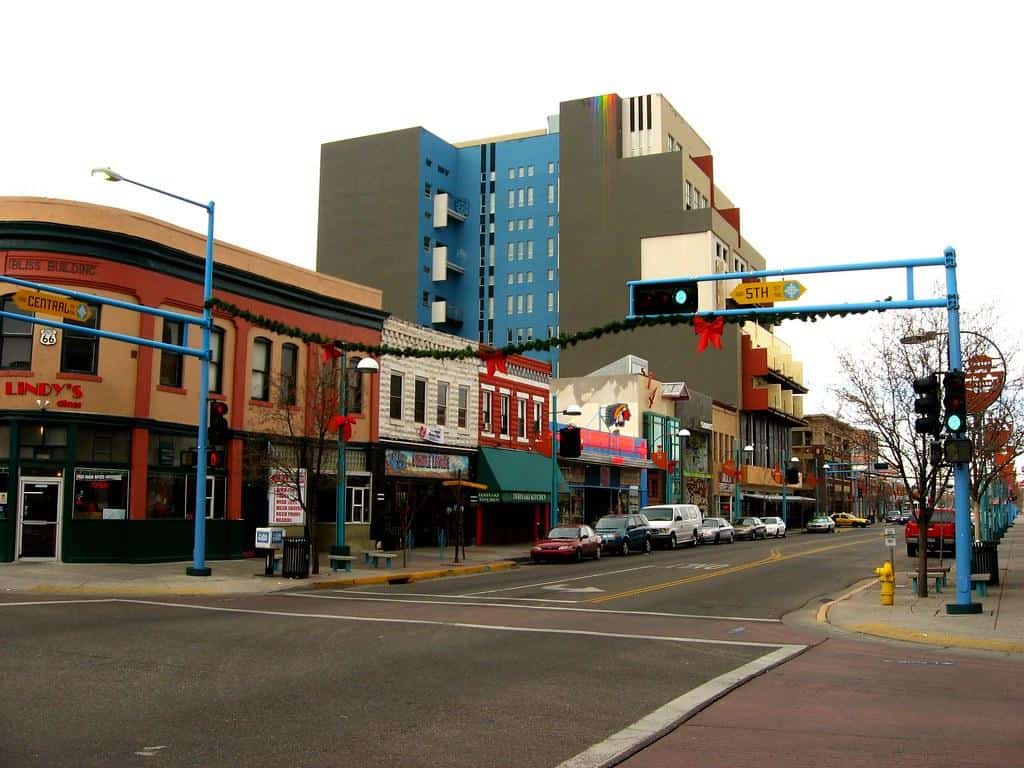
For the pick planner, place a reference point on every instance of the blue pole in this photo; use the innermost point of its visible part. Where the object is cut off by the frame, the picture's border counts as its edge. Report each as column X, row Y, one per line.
column 961, row 479
column 198, row 567
column 785, row 468
column 553, row 507
column 341, row 487
column 736, row 486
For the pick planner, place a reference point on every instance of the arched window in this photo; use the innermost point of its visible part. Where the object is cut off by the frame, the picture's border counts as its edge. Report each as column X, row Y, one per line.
column 15, row 338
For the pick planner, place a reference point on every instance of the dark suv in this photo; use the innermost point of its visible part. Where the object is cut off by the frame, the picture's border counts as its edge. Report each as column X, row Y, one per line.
column 625, row 533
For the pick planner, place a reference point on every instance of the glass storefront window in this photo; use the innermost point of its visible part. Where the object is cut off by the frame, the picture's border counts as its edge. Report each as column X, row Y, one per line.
column 165, row 449
column 165, row 496
column 103, row 445
column 100, row 494
column 4, row 479
column 43, row 442
column 5, row 441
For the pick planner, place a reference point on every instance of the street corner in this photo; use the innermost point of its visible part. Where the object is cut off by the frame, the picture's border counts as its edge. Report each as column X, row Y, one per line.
column 938, row 638
column 408, row 577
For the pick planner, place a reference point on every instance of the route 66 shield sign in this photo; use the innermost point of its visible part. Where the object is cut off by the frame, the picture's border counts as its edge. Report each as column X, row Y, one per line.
column 47, row 336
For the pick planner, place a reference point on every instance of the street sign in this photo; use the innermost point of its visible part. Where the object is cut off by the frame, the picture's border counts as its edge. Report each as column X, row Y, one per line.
column 890, row 538
column 52, row 304
column 765, row 293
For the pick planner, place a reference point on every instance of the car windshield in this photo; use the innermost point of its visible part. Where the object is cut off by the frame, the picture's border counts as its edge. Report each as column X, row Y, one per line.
column 611, row 524
column 658, row 513
column 824, row 520
column 943, row 516
column 748, row 521
column 770, row 520
column 564, row 533
column 709, row 523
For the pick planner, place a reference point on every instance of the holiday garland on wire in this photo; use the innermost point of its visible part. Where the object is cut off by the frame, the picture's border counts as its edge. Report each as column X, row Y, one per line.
column 708, row 326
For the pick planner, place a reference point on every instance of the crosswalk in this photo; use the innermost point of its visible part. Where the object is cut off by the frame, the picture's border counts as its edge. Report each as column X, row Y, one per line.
column 700, row 566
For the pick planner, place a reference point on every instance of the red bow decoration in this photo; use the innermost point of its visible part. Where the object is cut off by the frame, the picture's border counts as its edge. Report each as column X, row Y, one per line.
column 730, row 469
column 495, row 362
column 345, row 424
column 709, row 332
column 330, row 352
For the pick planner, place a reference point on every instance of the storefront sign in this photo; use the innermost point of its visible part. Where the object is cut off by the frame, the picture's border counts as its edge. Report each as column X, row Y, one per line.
column 432, row 434
column 285, row 503
column 35, row 265
column 70, row 395
column 423, row 464
column 512, row 497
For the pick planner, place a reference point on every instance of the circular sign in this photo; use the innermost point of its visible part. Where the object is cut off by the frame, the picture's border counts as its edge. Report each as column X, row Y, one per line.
column 983, row 381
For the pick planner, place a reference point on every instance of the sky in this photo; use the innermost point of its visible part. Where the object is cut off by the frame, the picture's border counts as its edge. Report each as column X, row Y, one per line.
column 845, row 132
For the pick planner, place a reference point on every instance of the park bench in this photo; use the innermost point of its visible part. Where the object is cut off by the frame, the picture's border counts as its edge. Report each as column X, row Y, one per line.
column 375, row 558
column 939, row 574
column 979, row 582
column 341, row 562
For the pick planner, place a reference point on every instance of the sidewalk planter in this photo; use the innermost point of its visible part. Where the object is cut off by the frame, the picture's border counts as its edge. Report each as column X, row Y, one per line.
column 985, row 559
column 295, row 558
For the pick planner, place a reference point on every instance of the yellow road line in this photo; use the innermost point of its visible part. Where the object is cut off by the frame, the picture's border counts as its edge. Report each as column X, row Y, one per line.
column 938, row 638
column 775, row 557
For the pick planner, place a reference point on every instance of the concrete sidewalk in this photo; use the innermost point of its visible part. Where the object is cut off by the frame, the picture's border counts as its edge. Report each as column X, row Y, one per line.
column 240, row 576
column 999, row 627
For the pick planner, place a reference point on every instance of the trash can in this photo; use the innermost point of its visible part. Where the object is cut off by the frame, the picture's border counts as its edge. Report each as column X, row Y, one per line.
column 985, row 559
column 295, row 558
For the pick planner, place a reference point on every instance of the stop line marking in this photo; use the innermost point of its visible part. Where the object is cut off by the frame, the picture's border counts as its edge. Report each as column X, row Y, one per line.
column 700, row 566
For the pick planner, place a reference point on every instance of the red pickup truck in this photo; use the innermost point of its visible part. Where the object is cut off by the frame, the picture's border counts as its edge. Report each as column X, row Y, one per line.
column 941, row 532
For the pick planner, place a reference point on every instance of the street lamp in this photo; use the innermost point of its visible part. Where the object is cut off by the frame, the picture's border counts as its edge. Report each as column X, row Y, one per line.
column 826, row 467
column 785, row 517
column 198, row 567
column 572, row 410
column 748, row 449
column 682, row 434
column 365, row 365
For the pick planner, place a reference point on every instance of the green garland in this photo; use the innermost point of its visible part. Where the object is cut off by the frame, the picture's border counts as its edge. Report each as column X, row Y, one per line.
column 562, row 341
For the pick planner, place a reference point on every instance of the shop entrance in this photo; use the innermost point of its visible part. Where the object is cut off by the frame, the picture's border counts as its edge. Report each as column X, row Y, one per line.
column 39, row 505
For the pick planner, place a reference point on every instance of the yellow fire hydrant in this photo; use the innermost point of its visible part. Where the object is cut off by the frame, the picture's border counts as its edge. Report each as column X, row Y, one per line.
column 888, row 582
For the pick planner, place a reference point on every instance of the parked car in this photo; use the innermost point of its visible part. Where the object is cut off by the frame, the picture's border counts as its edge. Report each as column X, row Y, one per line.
column 750, row 528
column 673, row 524
column 625, row 533
column 774, row 526
column 568, row 542
column 906, row 516
column 846, row 520
column 715, row 530
column 895, row 516
column 820, row 524
column 941, row 535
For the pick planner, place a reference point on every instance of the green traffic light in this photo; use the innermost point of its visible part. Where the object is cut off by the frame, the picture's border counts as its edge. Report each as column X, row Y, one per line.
column 954, row 423
column 680, row 296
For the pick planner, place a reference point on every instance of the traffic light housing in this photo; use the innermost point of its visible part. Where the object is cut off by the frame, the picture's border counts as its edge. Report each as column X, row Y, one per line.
column 958, row 450
column 672, row 297
column 215, row 459
column 926, row 405
column 792, row 476
column 954, row 400
column 217, row 423
column 569, row 443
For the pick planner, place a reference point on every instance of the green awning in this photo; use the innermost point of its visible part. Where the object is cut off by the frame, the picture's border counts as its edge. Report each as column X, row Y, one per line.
column 516, row 476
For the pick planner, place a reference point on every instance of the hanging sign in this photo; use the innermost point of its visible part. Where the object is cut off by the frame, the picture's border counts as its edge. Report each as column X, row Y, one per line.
column 52, row 304
column 765, row 293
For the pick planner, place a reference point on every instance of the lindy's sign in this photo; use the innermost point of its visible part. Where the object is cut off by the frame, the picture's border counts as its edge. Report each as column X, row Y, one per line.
column 71, row 395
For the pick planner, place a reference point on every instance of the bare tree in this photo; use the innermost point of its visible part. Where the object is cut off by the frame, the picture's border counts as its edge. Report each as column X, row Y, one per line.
column 877, row 394
column 303, row 443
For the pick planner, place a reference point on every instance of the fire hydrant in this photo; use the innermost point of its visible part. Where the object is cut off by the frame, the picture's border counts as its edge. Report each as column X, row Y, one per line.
column 888, row 582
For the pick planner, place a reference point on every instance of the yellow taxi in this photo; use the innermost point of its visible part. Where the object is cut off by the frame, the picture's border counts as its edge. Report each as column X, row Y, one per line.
column 846, row 520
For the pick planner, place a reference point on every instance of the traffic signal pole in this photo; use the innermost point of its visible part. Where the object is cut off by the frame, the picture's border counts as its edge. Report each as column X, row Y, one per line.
column 961, row 478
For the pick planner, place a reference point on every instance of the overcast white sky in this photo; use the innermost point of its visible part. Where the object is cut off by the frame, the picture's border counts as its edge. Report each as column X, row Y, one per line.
column 845, row 132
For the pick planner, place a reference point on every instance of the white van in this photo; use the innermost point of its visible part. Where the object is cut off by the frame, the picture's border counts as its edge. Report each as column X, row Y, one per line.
column 674, row 524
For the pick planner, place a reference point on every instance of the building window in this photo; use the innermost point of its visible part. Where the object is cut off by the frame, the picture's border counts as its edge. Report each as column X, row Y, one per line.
column 529, row 170
column 511, row 173
column 521, row 170
column 419, row 403
column 511, row 225
column 551, row 247
column 504, row 415
column 538, row 413
column 511, row 198
column 529, row 249
column 426, row 190
column 529, row 277
column 520, row 249
column 529, row 223
column 529, row 332
column 551, row 301
column 463, row 406
column 551, row 168
column 551, row 193
column 511, row 251
column 170, row 362
column 486, row 425
column 395, row 396
column 354, row 389
column 216, row 381
column 426, row 243
column 689, row 195
column 551, row 220
column 289, row 373
column 529, row 303
column 520, row 223
column 529, row 195
column 522, row 198
column 551, row 274
column 509, row 305
column 519, row 304
column 358, row 508
column 508, row 335
column 79, row 351
column 425, row 299
column 15, row 338
column 442, row 403
column 521, row 418
column 511, row 278
column 259, row 383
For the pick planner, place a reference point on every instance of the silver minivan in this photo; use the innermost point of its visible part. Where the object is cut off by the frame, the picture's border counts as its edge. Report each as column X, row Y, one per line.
column 674, row 524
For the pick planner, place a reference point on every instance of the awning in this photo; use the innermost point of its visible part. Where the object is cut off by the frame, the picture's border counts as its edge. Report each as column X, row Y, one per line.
column 516, row 477
column 775, row 497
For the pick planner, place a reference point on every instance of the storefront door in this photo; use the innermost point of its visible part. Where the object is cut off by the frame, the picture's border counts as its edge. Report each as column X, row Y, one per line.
column 39, row 505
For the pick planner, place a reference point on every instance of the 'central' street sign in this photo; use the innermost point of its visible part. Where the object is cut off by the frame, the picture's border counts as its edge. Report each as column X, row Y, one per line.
column 765, row 293
column 52, row 304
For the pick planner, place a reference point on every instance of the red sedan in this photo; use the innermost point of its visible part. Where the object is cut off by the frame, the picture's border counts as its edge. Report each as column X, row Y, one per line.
column 568, row 542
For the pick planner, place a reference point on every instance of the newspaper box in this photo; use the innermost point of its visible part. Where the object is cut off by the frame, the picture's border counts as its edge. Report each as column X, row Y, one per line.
column 271, row 541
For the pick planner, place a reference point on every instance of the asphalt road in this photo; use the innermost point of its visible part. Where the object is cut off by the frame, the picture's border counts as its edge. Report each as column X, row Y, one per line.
column 528, row 667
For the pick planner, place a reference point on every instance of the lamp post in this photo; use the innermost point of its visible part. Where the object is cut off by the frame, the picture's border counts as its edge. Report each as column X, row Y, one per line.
column 572, row 410
column 785, row 516
column 682, row 434
column 736, row 505
column 365, row 365
column 826, row 467
column 198, row 567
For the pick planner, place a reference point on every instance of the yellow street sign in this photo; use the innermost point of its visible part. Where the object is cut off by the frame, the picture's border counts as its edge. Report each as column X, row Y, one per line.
column 766, row 293
column 52, row 304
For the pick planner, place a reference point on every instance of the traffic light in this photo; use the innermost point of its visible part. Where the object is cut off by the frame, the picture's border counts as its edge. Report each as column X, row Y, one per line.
column 926, row 405
column 792, row 476
column 215, row 459
column 217, row 423
column 954, row 399
column 672, row 297
column 958, row 450
column 569, row 442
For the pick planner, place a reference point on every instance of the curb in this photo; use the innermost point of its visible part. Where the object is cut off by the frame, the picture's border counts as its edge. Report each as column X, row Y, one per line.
column 409, row 577
column 938, row 638
column 824, row 608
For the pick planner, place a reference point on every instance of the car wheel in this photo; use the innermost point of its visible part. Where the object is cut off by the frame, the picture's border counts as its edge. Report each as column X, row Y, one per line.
column 625, row 548
column 911, row 550
column 536, row 559
column 597, row 553
column 696, row 540
column 784, row 534
column 672, row 542
column 579, row 554
column 732, row 538
column 648, row 547
column 718, row 537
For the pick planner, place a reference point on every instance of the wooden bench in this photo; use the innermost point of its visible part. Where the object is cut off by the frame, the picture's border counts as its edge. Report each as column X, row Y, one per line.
column 939, row 574
column 341, row 562
column 979, row 582
column 375, row 558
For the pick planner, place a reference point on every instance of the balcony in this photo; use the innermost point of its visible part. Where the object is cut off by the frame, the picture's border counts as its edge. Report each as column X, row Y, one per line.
column 449, row 206
column 446, row 262
column 443, row 313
